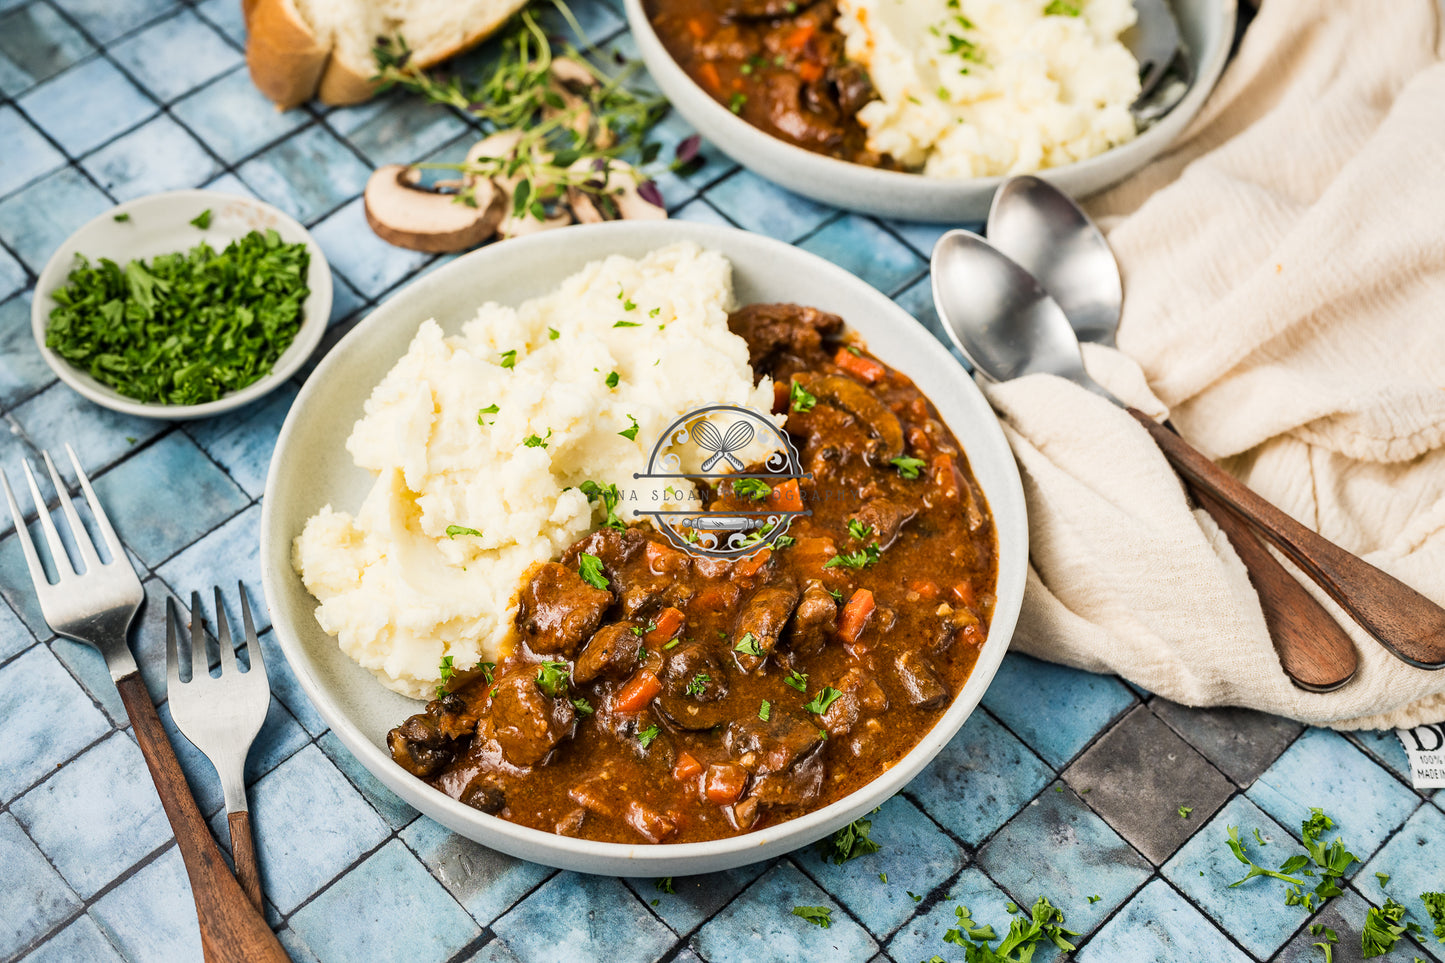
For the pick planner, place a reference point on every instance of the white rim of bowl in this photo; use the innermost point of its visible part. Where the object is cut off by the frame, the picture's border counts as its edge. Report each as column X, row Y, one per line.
column 644, row 857
column 316, row 311
column 1207, row 74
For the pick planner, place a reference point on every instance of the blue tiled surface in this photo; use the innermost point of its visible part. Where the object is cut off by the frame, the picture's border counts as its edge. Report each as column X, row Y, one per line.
column 101, row 100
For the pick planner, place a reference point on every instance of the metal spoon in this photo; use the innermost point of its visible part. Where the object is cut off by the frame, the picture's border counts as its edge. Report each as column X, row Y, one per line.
column 1038, row 226
column 1154, row 41
column 1007, row 326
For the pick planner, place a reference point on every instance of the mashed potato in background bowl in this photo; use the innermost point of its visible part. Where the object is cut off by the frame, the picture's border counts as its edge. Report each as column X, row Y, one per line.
column 479, row 442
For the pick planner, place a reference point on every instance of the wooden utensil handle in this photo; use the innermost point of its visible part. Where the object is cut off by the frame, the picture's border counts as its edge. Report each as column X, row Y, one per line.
column 1400, row 618
column 243, row 855
column 232, row 931
column 1313, row 650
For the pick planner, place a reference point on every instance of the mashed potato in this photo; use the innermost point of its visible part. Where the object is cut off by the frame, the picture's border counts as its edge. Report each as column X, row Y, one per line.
column 976, row 88
column 487, row 435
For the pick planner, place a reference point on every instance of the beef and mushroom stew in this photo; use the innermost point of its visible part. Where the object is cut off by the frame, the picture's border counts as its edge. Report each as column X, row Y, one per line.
column 778, row 65
column 660, row 696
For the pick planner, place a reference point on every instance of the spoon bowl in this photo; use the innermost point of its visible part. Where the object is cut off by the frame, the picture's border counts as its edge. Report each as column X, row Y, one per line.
column 1155, row 43
column 1040, row 228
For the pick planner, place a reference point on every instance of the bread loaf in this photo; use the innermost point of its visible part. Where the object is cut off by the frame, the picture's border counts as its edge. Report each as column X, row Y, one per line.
column 299, row 49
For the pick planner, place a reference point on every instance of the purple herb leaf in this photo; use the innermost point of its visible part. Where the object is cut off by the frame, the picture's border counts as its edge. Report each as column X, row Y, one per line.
column 687, row 149
column 649, row 192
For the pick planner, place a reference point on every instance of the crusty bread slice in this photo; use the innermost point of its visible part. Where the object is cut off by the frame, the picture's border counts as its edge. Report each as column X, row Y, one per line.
column 299, row 49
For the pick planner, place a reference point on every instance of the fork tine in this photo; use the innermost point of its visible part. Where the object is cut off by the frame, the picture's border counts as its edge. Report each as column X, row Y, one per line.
column 58, row 557
column 253, row 644
column 223, row 635
column 173, row 659
column 200, row 663
column 102, row 521
column 72, row 518
column 22, row 535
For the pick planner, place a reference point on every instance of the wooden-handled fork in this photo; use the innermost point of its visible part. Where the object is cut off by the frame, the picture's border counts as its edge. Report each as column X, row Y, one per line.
column 96, row 607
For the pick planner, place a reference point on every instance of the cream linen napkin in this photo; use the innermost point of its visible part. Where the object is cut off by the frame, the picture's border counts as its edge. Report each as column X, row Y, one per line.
column 1284, row 277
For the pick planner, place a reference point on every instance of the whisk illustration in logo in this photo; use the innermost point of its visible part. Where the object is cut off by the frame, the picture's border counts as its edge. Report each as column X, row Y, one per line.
column 760, row 503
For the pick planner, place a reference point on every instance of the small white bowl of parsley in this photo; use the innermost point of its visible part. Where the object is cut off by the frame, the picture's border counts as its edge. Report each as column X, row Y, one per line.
column 182, row 305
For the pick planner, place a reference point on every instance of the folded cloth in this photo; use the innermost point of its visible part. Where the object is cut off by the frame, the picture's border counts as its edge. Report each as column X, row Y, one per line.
column 1284, row 278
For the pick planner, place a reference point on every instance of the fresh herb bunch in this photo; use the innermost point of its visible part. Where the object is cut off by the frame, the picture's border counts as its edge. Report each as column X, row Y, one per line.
column 569, row 137
column 185, row 328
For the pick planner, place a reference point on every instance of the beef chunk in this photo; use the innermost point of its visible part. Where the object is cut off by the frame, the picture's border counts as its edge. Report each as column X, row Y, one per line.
column 484, row 793
column 612, row 650
column 784, row 754
column 420, row 747
column 920, row 680
column 770, row 329
column 614, row 548
column 558, row 611
column 886, row 517
column 862, row 696
column 527, row 723
column 813, row 622
column 571, row 824
column 693, row 671
column 764, row 615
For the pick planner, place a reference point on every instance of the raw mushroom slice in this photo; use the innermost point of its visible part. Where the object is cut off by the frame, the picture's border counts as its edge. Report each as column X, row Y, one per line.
column 619, row 183
column 524, row 224
column 404, row 213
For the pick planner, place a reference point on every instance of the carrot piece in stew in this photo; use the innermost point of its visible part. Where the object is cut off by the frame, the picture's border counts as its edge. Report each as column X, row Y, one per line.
column 753, row 564
column 669, row 621
column 686, row 767
column 945, row 476
column 810, row 71
column 926, row 588
column 799, row 38
column 786, row 497
column 724, row 782
column 640, row 690
column 710, row 76
column 855, row 615
column 865, row 369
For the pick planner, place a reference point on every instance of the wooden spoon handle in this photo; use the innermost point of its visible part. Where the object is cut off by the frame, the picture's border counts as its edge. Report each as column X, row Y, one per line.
column 243, row 855
column 1401, row 619
column 232, row 931
column 1313, row 650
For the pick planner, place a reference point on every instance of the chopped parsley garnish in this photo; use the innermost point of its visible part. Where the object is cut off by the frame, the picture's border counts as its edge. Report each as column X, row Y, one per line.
column 1044, row 921
column 783, row 541
column 664, row 885
column 850, row 842
column 608, row 497
column 800, row 399
column 765, row 710
column 1184, row 811
column 654, row 312
column 698, row 685
column 583, row 706
column 913, row 896
column 748, row 645
column 589, row 566
column 446, row 672
column 627, row 303
column 860, row 559
column 797, row 680
column 967, row 929
column 553, row 334
column 184, row 328
column 488, row 669
column 537, row 441
column 1259, row 839
column 553, row 678
column 1062, row 8
column 1236, row 845
column 630, row 433
column 908, row 467
column 672, row 645
column 612, row 379
column 454, row 530
column 822, row 700
column 736, row 102
column 858, row 530
column 754, row 488
column 817, row 915
column 645, row 737
column 883, row 877
column 642, row 653
column 202, row 220
column 488, row 410
column 1094, row 899
column 1333, row 860
column 509, row 358
column 1383, row 929
column 627, row 324
column 121, row 218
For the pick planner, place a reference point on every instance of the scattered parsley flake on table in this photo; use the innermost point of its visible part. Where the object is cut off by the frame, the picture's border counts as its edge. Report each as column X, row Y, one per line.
column 817, row 915
column 850, row 842
column 185, row 328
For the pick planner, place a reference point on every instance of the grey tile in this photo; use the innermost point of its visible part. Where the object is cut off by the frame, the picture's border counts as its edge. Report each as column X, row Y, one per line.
column 14, row 636
column 307, row 174
column 13, row 280
column 1139, row 775
column 1242, row 743
column 1157, row 926
column 34, row 897
column 157, row 156
column 22, row 371
column 105, row 20
column 1346, row 916
column 695, row 899
column 39, row 44
column 28, row 155
column 233, row 118
column 36, row 219
column 396, row 812
column 357, row 254
column 398, row 129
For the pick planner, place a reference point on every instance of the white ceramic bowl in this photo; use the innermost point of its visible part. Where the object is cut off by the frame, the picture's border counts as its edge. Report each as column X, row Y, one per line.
column 161, row 224
column 1207, row 27
column 311, row 468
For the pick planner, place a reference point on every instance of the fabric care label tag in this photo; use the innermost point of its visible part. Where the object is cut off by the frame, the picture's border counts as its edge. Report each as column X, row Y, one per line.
column 1425, row 745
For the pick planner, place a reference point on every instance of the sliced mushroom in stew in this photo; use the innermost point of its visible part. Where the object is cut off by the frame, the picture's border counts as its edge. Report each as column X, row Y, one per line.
column 695, row 698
